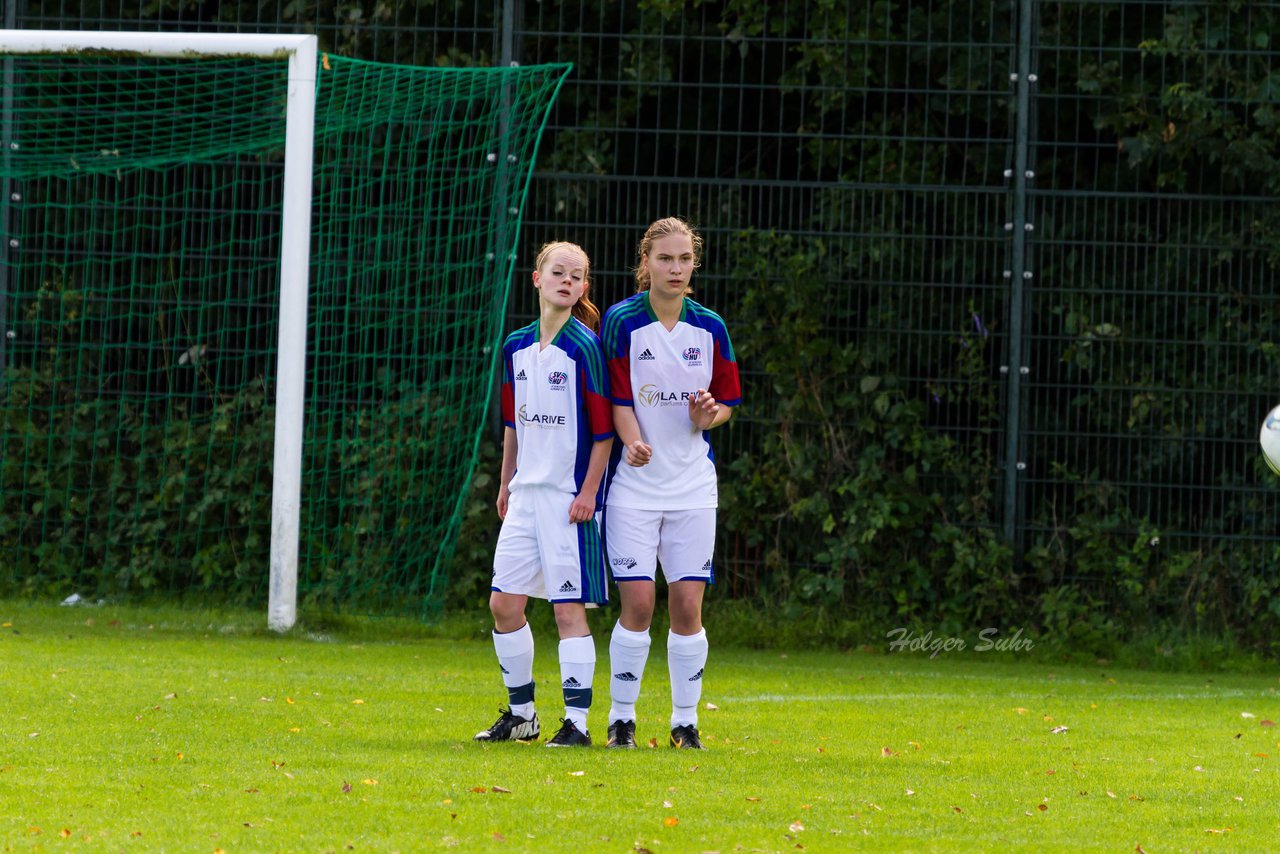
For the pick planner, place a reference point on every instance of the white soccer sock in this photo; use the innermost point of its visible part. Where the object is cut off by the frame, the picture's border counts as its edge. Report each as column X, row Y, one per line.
column 515, row 657
column 577, row 667
column 686, row 657
column 628, row 652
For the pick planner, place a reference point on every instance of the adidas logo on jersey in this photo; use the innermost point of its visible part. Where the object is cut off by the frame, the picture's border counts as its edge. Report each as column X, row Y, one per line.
column 568, row 587
column 626, row 677
column 697, row 676
column 646, row 356
column 572, row 683
column 521, row 376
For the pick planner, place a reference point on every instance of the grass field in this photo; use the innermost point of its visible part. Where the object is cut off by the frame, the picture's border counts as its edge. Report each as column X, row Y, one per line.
column 128, row 729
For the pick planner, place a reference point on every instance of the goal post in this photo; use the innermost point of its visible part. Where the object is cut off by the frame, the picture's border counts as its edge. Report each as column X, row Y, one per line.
column 300, row 52
column 252, row 297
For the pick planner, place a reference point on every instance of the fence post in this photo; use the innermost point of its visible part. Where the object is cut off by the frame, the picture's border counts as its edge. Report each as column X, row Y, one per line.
column 1019, row 274
column 7, row 186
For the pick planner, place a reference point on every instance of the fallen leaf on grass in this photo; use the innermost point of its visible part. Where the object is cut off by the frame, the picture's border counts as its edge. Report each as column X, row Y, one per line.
column 1247, row 715
column 1217, row 830
column 666, row 805
column 1266, row 723
column 653, row 742
column 1058, row 730
column 1260, row 755
column 1136, row 798
column 479, row 790
column 795, row 827
column 501, row 790
column 1110, row 794
column 712, row 707
column 888, row 751
column 576, row 773
column 65, row 833
column 1020, row 710
column 346, row 787
column 909, row 792
column 498, row 836
column 753, row 800
column 1042, row 807
column 957, row 809
column 357, row 702
column 1138, row 849
column 671, row 821
column 370, row 782
column 914, row 744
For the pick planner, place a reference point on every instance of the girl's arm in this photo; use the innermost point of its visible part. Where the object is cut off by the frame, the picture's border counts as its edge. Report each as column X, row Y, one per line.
column 583, row 506
column 705, row 413
column 509, row 450
column 627, row 426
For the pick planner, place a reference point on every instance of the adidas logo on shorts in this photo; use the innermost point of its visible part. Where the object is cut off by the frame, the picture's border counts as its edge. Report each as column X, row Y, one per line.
column 697, row 676
column 568, row 587
column 572, row 683
column 626, row 677
column 706, row 567
column 521, row 376
column 646, row 356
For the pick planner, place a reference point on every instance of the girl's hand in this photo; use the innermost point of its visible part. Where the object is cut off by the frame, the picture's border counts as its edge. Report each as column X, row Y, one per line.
column 582, row 508
column 638, row 454
column 703, row 409
column 504, row 496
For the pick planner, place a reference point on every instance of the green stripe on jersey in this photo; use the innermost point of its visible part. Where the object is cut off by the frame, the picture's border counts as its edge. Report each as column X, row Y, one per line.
column 704, row 312
column 591, row 351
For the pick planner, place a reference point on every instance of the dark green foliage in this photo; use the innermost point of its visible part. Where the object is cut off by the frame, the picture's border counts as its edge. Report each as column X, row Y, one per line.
column 847, row 163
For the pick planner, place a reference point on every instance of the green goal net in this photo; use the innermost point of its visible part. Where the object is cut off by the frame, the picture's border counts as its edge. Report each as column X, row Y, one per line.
column 139, row 304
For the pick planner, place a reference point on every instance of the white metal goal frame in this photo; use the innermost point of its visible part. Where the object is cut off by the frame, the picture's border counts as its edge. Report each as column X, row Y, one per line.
column 301, row 53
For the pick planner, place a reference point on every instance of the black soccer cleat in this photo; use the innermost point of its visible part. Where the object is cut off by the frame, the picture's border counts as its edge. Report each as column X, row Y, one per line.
column 509, row 727
column 622, row 734
column 569, row 736
column 686, row 737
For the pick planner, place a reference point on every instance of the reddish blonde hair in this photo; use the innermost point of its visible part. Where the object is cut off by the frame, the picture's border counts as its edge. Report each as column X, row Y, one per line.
column 656, row 231
column 584, row 309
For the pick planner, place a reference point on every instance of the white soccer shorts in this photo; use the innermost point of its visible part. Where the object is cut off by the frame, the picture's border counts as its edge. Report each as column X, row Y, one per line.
column 540, row 553
column 681, row 540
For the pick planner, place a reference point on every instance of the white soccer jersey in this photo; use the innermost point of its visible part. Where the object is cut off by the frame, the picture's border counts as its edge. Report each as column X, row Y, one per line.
column 557, row 399
column 657, row 372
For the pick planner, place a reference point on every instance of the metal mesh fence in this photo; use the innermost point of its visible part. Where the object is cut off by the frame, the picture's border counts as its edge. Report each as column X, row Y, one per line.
column 1049, row 216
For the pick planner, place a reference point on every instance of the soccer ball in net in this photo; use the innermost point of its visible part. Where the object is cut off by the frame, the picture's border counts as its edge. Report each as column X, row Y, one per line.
column 1269, row 438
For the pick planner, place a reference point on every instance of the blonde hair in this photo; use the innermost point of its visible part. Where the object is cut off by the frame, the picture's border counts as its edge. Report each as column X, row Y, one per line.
column 584, row 309
column 656, row 231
